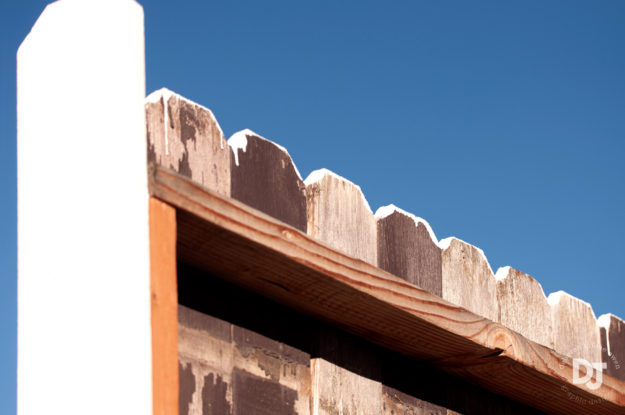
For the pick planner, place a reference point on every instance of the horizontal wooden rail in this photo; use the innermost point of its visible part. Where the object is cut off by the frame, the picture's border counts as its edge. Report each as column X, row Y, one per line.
column 236, row 242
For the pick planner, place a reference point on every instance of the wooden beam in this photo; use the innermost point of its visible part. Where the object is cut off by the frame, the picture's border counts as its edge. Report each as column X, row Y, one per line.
column 261, row 254
column 164, row 304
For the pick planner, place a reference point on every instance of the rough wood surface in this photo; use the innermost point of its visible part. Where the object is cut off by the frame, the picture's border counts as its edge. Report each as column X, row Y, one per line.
column 185, row 137
column 224, row 237
column 575, row 330
column 346, row 374
column 612, row 331
column 264, row 177
column 310, row 338
column 523, row 306
column 237, row 371
column 164, row 306
column 468, row 279
column 336, row 390
column 408, row 248
column 339, row 215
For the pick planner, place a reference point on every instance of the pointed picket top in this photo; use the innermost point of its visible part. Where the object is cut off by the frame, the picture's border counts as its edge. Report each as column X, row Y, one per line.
column 385, row 211
column 444, row 244
column 186, row 137
column 407, row 247
column 575, row 330
column 339, row 215
column 238, row 141
column 264, row 176
column 318, row 175
column 163, row 95
column 521, row 296
column 468, row 279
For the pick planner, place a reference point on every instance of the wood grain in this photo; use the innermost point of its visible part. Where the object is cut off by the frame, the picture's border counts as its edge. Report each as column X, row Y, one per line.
column 468, row 279
column 612, row 331
column 224, row 237
column 264, row 177
column 336, row 390
column 523, row 306
column 185, row 137
column 346, row 374
column 575, row 330
column 406, row 249
column 164, row 305
column 339, row 215
column 414, row 382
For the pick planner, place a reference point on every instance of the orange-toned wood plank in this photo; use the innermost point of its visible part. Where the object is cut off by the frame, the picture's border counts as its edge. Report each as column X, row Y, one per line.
column 164, row 302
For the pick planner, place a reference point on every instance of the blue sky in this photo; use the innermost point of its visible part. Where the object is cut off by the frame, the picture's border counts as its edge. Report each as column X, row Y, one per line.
column 502, row 123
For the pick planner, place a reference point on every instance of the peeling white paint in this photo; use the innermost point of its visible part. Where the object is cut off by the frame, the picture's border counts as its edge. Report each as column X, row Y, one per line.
column 555, row 298
column 165, row 94
column 238, row 141
column 502, row 273
column 159, row 94
column 318, row 175
column 604, row 320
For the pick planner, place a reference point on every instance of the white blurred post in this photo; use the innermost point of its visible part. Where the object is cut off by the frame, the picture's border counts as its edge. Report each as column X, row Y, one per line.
column 84, row 342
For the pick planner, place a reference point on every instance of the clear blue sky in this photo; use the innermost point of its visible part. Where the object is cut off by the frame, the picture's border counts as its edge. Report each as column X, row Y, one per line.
column 501, row 124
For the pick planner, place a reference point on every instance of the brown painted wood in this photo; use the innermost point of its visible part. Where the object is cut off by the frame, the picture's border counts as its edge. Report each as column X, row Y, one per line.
column 523, row 306
column 186, row 389
column 339, row 215
column 205, row 352
column 263, row 255
column 575, row 330
column 612, row 331
column 185, row 137
column 406, row 249
column 164, row 305
column 236, row 370
column 265, row 177
column 468, row 279
column 256, row 395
